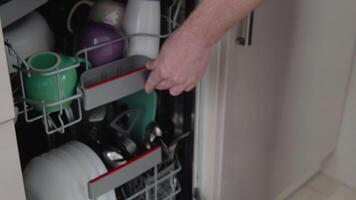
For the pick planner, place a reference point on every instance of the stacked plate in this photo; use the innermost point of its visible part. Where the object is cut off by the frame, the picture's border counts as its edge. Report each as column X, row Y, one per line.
column 64, row 173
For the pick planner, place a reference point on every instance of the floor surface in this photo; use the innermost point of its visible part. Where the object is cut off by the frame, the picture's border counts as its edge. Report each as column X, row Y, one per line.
column 322, row 187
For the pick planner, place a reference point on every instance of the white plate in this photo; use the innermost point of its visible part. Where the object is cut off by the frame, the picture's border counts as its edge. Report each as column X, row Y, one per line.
column 59, row 174
column 60, row 164
column 89, row 164
column 98, row 163
column 81, row 158
column 92, row 157
column 74, row 170
column 68, row 163
column 84, row 164
column 46, row 181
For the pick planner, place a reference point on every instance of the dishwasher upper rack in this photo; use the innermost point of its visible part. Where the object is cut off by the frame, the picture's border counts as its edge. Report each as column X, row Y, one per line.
column 96, row 87
column 59, row 121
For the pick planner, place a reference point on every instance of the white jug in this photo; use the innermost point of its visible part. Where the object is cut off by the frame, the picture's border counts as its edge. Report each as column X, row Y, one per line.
column 143, row 16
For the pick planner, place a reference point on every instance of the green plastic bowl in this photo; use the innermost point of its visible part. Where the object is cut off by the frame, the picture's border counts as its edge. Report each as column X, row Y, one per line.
column 147, row 103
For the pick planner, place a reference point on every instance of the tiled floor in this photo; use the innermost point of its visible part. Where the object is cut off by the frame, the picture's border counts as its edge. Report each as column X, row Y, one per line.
column 322, row 187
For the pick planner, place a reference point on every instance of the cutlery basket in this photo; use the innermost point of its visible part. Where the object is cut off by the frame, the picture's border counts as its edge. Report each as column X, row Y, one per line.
column 142, row 178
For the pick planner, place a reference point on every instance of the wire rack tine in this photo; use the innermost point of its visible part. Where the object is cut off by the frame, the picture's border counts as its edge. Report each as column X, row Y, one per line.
column 156, row 186
column 60, row 98
column 156, row 177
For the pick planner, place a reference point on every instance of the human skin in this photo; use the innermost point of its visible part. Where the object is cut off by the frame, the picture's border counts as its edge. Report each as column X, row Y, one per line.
column 183, row 58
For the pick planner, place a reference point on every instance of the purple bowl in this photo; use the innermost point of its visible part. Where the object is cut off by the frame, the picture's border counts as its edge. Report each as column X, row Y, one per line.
column 97, row 33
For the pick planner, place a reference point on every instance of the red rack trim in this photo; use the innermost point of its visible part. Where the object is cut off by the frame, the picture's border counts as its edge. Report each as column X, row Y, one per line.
column 125, row 165
column 114, row 78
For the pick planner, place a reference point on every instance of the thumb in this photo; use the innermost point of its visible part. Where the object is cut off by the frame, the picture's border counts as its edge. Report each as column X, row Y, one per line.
column 153, row 79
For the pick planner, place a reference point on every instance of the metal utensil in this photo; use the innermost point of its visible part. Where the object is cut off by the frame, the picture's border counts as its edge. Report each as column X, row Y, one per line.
column 153, row 132
column 113, row 157
column 97, row 114
column 127, row 146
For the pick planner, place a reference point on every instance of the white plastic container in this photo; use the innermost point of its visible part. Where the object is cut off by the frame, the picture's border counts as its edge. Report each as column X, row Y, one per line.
column 143, row 16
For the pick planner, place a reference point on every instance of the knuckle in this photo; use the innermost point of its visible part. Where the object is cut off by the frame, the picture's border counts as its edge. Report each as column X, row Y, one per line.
column 176, row 78
column 164, row 73
column 191, row 80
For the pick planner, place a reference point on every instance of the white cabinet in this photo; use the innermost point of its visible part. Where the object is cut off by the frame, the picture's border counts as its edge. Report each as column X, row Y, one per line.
column 6, row 105
column 279, row 102
column 11, row 183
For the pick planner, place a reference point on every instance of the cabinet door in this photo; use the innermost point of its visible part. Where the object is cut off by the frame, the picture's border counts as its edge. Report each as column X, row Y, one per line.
column 6, row 101
column 255, row 80
column 11, row 183
column 285, row 96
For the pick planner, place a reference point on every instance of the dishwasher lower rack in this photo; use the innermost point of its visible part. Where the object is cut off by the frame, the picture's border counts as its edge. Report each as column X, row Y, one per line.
column 145, row 187
column 143, row 178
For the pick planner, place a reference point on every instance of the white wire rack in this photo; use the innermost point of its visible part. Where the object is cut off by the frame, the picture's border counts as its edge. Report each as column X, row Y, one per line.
column 162, row 185
column 53, row 121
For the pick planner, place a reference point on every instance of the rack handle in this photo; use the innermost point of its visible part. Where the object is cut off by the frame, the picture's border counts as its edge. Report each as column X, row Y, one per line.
column 246, row 30
column 122, row 174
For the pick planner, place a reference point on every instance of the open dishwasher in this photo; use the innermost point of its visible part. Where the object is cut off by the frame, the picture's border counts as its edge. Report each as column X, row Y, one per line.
column 142, row 142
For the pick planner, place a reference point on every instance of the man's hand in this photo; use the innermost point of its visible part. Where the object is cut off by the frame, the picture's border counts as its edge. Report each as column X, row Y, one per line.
column 180, row 64
column 184, row 56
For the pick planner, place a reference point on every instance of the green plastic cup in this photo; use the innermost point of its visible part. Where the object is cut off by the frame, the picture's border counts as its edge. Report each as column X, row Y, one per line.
column 48, row 88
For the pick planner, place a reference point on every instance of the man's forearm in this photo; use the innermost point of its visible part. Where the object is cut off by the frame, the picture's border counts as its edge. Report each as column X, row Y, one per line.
column 184, row 56
column 212, row 18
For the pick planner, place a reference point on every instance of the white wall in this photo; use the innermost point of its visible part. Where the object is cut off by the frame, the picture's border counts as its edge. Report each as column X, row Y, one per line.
column 342, row 164
column 315, row 88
